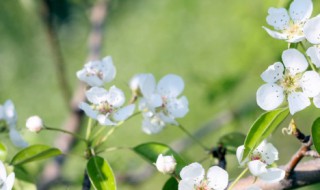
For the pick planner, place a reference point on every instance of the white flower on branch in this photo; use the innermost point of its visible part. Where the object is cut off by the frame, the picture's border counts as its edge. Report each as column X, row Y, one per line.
column 166, row 164
column 96, row 73
column 106, row 106
column 294, row 83
column 9, row 115
column 161, row 103
column 289, row 25
column 34, row 124
column 6, row 182
column 260, row 160
column 193, row 177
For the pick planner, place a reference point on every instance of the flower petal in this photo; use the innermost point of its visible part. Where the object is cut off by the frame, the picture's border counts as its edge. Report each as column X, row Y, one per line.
column 278, row 18
column 316, row 101
column 178, row 108
column 108, row 70
column 300, row 10
column 16, row 138
column 239, row 155
column 155, row 101
column 267, row 151
column 10, row 181
column 297, row 102
column 123, row 113
column 312, row 30
column 257, row 167
column 270, row 96
column 276, row 35
column 294, row 60
column 170, row 86
column 136, row 81
column 272, row 175
column 314, row 53
column 88, row 110
column 273, row 73
column 105, row 121
column 310, row 83
column 10, row 112
column 217, row 178
column 152, row 125
column 148, row 86
column 186, row 184
column 192, row 171
column 115, row 97
column 3, row 172
column 96, row 95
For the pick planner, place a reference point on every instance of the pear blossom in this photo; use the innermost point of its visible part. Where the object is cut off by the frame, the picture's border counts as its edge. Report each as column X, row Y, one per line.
column 34, row 124
column 312, row 30
column 292, row 82
column 9, row 115
column 289, row 25
column 161, row 103
column 6, row 182
column 193, row 177
column 96, row 73
column 106, row 106
column 166, row 164
column 260, row 160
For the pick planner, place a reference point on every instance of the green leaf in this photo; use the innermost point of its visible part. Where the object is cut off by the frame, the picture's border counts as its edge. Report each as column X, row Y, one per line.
column 22, row 174
column 316, row 134
column 34, row 153
column 262, row 128
column 151, row 150
column 232, row 141
column 171, row 184
column 3, row 152
column 100, row 174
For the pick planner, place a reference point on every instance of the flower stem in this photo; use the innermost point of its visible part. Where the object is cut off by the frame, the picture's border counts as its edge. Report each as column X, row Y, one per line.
column 238, row 178
column 67, row 132
column 193, row 138
column 89, row 127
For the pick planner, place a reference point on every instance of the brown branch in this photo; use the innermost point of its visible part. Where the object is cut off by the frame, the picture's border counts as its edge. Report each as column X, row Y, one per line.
column 65, row 142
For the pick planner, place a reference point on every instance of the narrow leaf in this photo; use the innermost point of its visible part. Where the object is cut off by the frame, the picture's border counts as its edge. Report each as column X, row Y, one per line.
column 3, row 152
column 171, row 184
column 101, row 174
column 316, row 134
column 151, row 150
column 232, row 141
column 262, row 128
column 34, row 153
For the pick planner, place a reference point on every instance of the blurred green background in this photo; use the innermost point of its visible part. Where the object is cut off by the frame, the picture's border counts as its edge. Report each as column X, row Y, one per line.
column 218, row 47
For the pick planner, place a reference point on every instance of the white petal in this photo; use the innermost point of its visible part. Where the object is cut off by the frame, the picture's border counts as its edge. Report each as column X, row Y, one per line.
column 268, row 152
column 88, row 110
column 314, row 53
column 278, row 18
column 155, row 101
column 167, row 119
column 257, row 167
column 276, row 35
column 273, row 73
column 136, row 81
column 108, row 69
column 300, row 10
column 123, row 113
column 10, row 181
column 105, row 121
column 272, row 175
column 115, row 97
column 312, row 30
column 217, row 178
column 310, row 83
column 192, row 171
column 178, row 108
column 294, row 60
column 3, row 172
column 296, row 39
column 10, row 112
column 17, row 139
column 316, row 101
column 297, row 102
column 97, row 95
column 152, row 125
column 148, row 86
column 186, row 184
column 239, row 153
column 170, row 86
column 270, row 96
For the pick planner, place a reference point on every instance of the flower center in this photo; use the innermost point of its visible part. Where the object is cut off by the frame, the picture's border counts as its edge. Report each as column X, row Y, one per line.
column 294, row 30
column 92, row 71
column 103, row 108
column 290, row 83
column 203, row 186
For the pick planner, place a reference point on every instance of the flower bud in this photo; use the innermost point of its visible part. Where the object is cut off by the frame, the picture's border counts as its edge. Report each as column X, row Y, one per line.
column 34, row 124
column 166, row 164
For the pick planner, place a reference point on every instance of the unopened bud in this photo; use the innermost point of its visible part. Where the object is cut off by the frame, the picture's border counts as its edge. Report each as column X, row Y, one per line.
column 166, row 164
column 34, row 124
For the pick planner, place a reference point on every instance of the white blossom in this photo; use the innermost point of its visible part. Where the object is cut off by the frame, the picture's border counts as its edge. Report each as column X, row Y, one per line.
column 289, row 25
column 312, row 30
column 106, row 106
column 193, row 177
column 6, row 182
column 166, row 164
column 96, row 73
column 9, row 115
column 34, row 124
column 314, row 53
column 260, row 160
column 161, row 103
column 292, row 82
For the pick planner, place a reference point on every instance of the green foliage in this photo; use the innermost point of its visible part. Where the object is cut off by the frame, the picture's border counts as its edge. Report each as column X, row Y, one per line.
column 232, row 141
column 3, row 152
column 151, row 150
column 316, row 134
column 101, row 174
column 262, row 128
column 171, row 184
column 34, row 153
